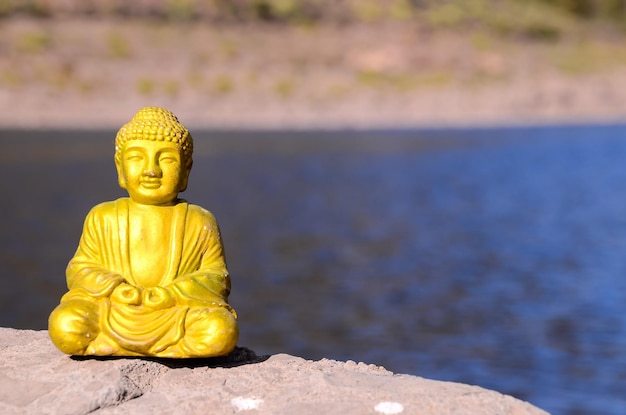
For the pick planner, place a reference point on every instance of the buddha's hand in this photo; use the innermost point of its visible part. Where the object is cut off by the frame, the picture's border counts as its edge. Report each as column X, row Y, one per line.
column 158, row 298
column 126, row 294
column 96, row 283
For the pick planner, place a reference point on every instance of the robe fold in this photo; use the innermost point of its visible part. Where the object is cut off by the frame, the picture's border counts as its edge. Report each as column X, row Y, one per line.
column 196, row 275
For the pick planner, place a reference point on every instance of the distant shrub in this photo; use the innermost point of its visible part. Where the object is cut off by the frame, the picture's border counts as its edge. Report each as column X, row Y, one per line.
column 171, row 88
column 373, row 10
column 284, row 87
column 35, row 8
column 34, row 42
column 6, row 8
column 397, row 81
column 438, row 13
column 11, row 77
column 447, row 15
column 118, row 46
column 582, row 8
column 588, row 57
column 194, row 78
column 275, row 9
column 615, row 9
column 223, row 84
column 531, row 20
column 180, row 10
column 146, row 86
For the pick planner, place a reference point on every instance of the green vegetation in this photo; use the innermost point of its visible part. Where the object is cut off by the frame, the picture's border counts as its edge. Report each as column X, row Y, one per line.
column 179, row 9
column 118, row 46
column 284, row 87
column 34, row 42
column 532, row 19
column 403, row 82
column 379, row 79
column 228, row 48
column 587, row 57
column 613, row 9
column 195, row 78
column 11, row 77
column 59, row 77
column 146, row 86
column 171, row 87
column 277, row 9
column 223, row 84
column 86, row 86
column 438, row 12
column 536, row 20
column 543, row 20
column 149, row 86
column 36, row 8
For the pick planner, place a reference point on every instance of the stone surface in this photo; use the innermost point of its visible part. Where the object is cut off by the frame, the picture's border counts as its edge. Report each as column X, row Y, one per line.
column 35, row 378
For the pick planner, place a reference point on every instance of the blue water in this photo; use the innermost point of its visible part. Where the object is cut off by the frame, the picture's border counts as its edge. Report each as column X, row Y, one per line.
column 493, row 257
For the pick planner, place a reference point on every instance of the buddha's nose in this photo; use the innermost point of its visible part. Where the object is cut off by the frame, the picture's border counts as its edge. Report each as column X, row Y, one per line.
column 152, row 172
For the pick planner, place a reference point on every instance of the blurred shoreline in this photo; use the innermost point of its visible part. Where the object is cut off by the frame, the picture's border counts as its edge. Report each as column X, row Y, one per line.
column 80, row 72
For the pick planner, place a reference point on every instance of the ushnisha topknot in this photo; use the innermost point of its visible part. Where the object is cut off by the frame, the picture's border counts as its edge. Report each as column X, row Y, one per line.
column 155, row 124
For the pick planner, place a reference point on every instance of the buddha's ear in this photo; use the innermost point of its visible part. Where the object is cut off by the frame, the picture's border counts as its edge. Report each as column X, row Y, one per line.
column 185, row 178
column 121, row 179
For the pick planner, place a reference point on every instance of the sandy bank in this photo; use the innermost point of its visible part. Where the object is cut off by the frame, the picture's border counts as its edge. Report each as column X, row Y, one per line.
column 97, row 73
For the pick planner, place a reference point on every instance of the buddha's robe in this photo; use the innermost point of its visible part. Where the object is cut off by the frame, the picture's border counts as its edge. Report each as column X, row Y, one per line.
column 147, row 317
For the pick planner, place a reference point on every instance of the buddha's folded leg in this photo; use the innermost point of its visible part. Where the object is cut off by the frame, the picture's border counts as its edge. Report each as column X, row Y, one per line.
column 73, row 325
column 210, row 332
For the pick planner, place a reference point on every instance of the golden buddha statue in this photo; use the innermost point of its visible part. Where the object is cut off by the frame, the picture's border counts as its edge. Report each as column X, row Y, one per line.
column 149, row 277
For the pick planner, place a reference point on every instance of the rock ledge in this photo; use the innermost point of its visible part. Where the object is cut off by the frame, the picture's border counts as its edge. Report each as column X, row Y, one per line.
column 35, row 378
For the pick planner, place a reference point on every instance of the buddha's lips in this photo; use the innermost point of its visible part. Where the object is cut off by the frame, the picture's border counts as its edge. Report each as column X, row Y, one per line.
column 151, row 184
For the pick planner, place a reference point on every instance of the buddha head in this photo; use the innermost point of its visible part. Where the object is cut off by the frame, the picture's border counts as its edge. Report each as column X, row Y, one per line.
column 153, row 157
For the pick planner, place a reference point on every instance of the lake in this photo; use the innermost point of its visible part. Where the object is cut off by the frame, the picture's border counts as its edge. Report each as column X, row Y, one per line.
column 494, row 257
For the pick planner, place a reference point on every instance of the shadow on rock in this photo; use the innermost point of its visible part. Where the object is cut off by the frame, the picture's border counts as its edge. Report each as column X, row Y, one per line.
column 238, row 357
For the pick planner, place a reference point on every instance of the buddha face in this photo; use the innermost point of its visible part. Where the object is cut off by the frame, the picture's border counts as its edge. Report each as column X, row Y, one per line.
column 153, row 172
